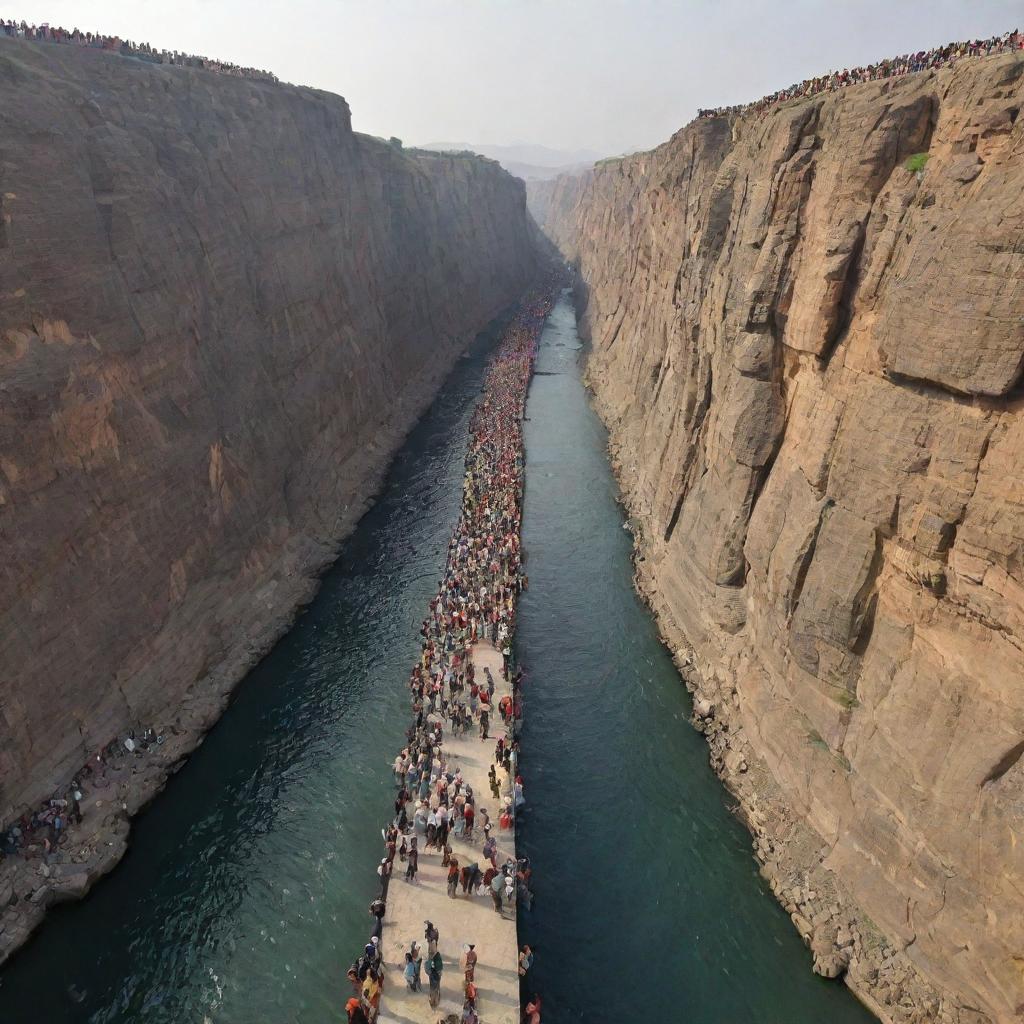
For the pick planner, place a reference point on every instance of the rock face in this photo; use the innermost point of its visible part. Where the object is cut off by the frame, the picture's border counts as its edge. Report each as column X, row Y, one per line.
column 810, row 361
column 220, row 311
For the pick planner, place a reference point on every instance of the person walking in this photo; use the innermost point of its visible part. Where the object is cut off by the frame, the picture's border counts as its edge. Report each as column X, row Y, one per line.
column 384, row 871
column 433, row 937
column 490, row 850
column 435, row 965
column 469, row 959
column 414, row 862
column 497, row 888
column 410, row 972
column 416, row 953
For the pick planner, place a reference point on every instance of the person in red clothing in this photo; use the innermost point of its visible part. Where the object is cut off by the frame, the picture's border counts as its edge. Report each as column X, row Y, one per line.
column 469, row 959
column 469, row 814
column 355, row 1012
column 533, row 1011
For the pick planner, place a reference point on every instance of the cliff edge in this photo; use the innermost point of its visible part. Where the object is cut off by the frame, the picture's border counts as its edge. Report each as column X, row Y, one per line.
column 220, row 311
column 810, row 356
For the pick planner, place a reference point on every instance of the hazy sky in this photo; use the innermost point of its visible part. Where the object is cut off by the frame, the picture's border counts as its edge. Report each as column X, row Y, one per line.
column 608, row 75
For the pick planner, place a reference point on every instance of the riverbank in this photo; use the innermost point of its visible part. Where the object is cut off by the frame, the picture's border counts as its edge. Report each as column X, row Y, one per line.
column 121, row 783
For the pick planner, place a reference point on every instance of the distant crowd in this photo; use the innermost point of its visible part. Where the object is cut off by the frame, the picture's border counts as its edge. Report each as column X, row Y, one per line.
column 923, row 60
column 114, row 44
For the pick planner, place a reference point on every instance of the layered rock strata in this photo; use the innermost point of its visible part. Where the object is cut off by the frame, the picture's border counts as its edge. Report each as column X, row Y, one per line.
column 220, row 311
column 809, row 357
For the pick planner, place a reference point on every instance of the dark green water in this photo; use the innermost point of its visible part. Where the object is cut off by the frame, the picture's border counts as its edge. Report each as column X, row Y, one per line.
column 243, row 897
column 649, row 906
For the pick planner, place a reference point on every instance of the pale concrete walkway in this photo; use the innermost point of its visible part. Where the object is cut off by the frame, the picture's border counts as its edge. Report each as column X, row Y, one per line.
column 465, row 918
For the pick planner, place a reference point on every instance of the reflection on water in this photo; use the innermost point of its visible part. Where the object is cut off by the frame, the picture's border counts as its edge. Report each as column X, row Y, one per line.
column 243, row 897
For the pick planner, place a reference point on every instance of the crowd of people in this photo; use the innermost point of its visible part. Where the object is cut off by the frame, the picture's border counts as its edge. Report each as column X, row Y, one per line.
column 41, row 833
column 923, row 60
column 475, row 602
column 115, row 44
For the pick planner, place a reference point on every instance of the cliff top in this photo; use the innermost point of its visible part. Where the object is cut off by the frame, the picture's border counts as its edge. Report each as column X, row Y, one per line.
column 97, row 41
column 889, row 67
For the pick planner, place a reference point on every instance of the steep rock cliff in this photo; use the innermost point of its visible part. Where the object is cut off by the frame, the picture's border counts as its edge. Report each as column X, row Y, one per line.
column 810, row 361
column 220, row 310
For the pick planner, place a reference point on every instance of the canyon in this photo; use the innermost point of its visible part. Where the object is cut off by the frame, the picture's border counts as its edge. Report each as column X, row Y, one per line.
column 809, row 356
column 221, row 309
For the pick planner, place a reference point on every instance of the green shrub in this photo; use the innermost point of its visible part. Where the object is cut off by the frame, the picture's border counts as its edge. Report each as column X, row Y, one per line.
column 915, row 164
column 815, row 740
column 847, row 700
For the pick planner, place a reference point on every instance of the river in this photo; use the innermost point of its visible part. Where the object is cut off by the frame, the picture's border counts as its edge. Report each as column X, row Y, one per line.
column 243, row 896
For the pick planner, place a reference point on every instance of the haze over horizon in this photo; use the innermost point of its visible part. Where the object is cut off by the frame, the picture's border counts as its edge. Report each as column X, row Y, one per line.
column 608, row 76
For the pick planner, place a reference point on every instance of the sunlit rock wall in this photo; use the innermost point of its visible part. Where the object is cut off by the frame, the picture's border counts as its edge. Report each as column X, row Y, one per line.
column 810, row 361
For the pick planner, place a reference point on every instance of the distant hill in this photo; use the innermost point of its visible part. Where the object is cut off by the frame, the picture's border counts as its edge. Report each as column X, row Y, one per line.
column 531, row 172
column 527, row 161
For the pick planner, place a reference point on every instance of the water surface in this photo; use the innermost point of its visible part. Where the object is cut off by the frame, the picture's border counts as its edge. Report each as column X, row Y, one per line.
column 649, row 906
